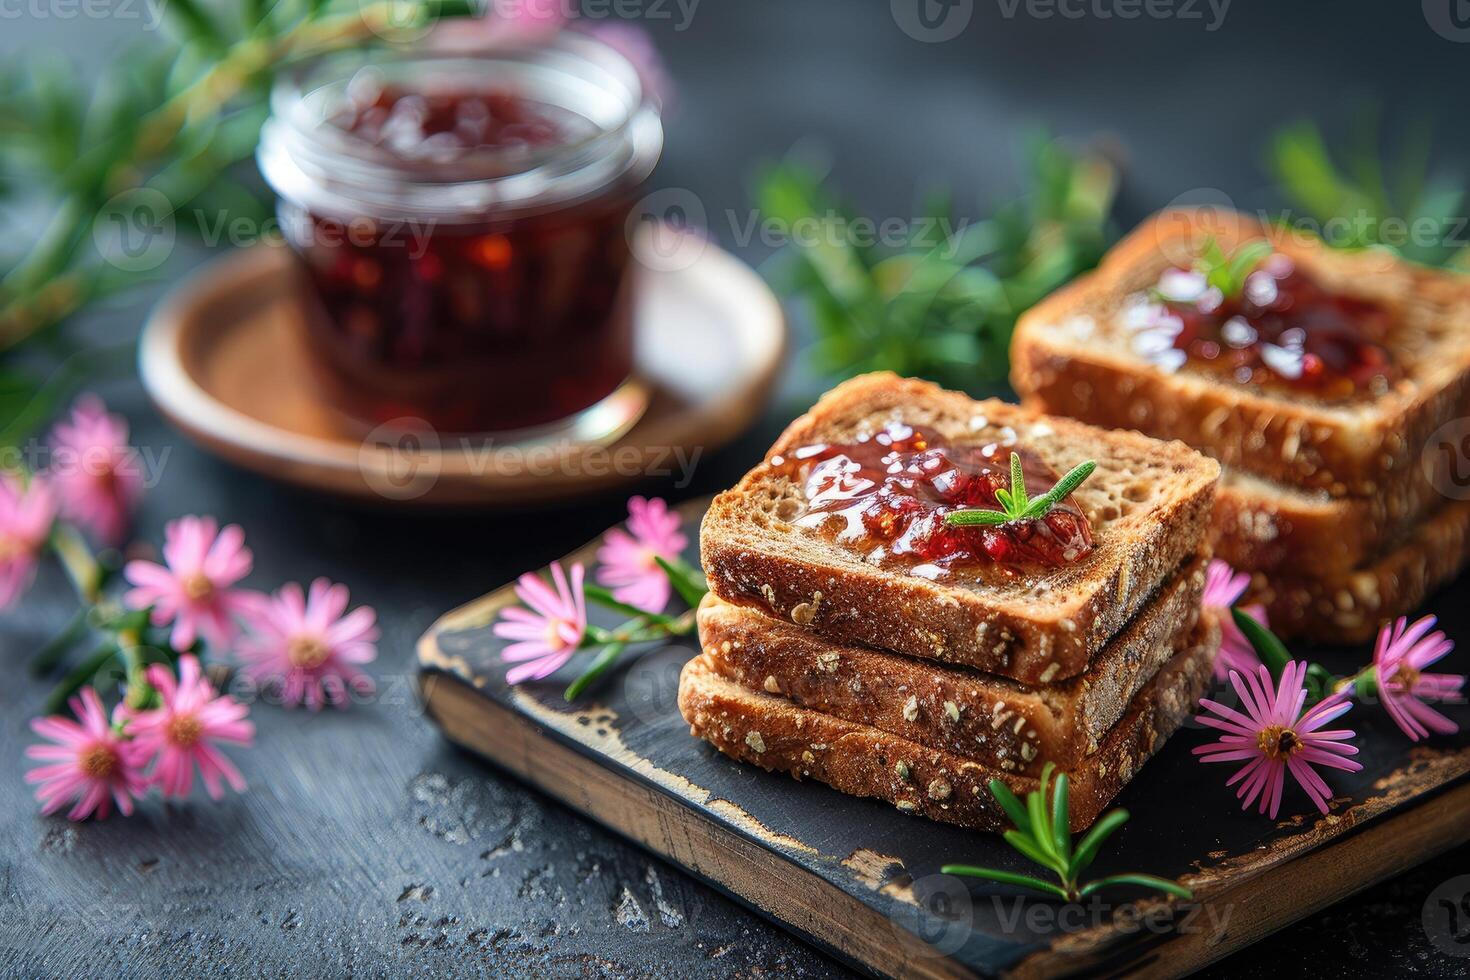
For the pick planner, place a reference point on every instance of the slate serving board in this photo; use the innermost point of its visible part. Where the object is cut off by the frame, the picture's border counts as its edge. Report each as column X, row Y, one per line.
column 860, row 879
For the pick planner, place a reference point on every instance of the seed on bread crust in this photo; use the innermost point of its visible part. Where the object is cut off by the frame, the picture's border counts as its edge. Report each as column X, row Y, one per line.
column 939, row 789
column 952, row 710
column 911, row 708
column 772, row 685
column 901, row 768
column 803, row 613
column 754, row 740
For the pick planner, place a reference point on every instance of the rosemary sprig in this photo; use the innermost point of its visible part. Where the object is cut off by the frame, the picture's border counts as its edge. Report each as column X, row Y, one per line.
column 1228, row 273
column 1015, row 505
column 1042, row 834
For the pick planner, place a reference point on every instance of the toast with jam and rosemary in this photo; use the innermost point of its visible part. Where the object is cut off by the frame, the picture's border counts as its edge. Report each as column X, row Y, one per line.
column 861, row 760
column 1002, row 723
column 847, row 528
column 1313, row 367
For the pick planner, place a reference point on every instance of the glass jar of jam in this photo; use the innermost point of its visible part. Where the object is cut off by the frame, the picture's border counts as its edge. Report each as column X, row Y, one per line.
column 461, row 229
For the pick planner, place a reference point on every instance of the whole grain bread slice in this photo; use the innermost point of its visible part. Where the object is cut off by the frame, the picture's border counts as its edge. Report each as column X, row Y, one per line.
column 1003, row 723
column 1071, row 355
column 860, row 760
column 1350, row 606
column 1148, row 503
column 1262, row 526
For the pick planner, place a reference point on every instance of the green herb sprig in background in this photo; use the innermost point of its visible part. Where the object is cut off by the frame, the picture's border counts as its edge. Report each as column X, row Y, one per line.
column 943, row 305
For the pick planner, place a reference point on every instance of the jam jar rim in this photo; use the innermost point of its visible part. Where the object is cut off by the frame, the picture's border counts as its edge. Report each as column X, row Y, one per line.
column 318, row 166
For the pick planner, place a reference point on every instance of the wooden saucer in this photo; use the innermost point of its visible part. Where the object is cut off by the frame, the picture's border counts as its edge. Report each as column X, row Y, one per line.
column 223, row 361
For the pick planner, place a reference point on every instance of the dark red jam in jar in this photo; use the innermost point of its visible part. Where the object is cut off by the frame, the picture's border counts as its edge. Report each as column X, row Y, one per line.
column 461, row 225
column 887, row 495
column 1282, row 328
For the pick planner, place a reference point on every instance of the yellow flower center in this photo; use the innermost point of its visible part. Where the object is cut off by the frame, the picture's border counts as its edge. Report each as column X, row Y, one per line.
column 306, row 652
column 198, row 587
column 1405, row 677
column 553, row 634
column 1279, row 743
column 10, row 547
column 99, row 762
column 185, row 730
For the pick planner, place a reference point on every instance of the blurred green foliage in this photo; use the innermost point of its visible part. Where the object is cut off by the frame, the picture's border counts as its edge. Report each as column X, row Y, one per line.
column 1357, row 199
column 942, row 304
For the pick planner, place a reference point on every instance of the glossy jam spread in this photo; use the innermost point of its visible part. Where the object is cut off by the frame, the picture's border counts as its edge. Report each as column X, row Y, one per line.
column 1283, row 328
column 413, row 125
column 887, row 496
column 488, row 321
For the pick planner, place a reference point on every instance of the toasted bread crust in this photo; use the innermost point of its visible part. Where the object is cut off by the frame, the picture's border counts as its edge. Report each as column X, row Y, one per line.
column 1262, row 526
column 1046, row 624
column 1365, row 450
column 860, row 760
column 1002, row 723
column 1349, row 607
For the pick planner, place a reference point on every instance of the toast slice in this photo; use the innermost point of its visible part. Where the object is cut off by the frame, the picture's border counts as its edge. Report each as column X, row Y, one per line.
column 1148, row 503
column 1011, row 726
column 1349, row 607
column 1072, row 355
column 1263, row 526
column 860, row 760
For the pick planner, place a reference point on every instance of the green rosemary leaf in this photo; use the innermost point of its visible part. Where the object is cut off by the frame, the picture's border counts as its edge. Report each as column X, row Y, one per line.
column 977, row 518
column 690, row 584
column 1004, row 877
column 1243, row 262
column 1093, row 840
column 1073, row 479
column 1006, row 501
column 1061, row 820
column 1018, row 484
column 1010, row 804
column 1268, row 647
column 604, row 598
column 1030, row 847
column 1147, row 881
column 600, row 665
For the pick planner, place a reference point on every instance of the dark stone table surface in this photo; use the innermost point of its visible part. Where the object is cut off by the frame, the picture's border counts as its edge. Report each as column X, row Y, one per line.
column 368, row 845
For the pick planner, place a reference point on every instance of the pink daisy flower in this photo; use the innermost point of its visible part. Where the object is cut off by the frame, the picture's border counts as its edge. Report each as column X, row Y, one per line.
column 627, row 557
column 27, row 511
column 1399, row 659
column 193, row 590
column 94, row 471
column 306, row 644
column 1275, row 736
column 89, row 765
column 183, row 732
column 550, row 631
column 1223, row 588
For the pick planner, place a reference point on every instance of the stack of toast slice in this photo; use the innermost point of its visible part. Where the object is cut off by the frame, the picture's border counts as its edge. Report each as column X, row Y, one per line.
column 825, row 660
column 1345, row 509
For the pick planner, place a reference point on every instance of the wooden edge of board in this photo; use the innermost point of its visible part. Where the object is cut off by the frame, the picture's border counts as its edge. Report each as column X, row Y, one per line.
column 815, row 909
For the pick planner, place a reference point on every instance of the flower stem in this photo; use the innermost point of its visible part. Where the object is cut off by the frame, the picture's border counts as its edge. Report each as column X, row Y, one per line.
column 80, row 675
column 599, row 666
column 46, row 658
column 82, row 567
